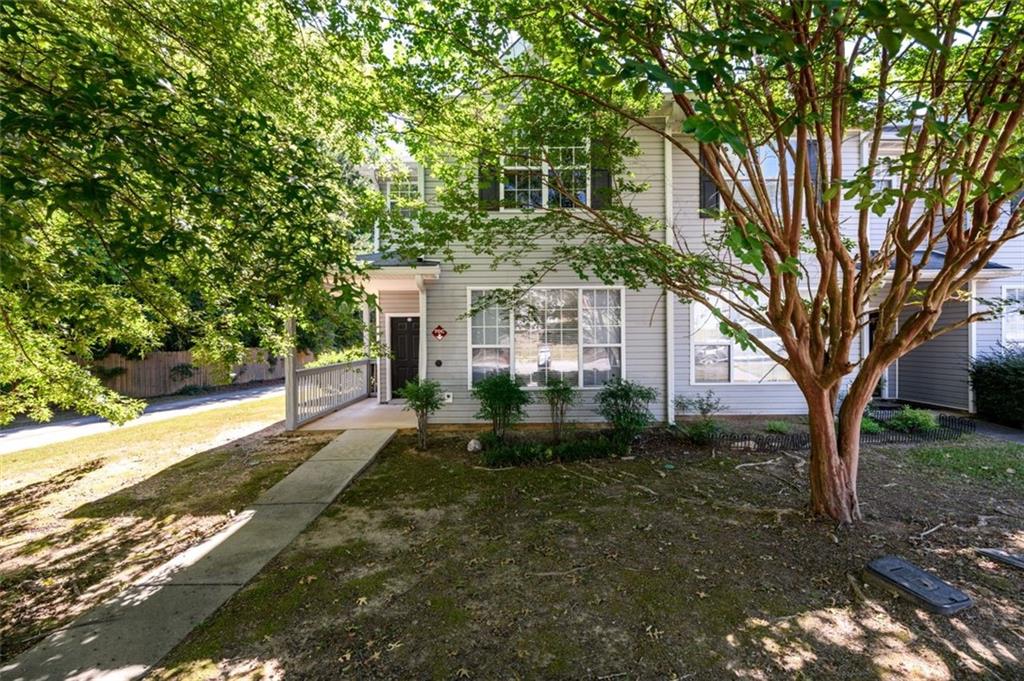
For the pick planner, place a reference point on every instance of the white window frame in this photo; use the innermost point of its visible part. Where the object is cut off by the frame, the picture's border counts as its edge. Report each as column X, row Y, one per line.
column 545, row 169
column 1007, row 288
column 470, row 346
column 732, row 345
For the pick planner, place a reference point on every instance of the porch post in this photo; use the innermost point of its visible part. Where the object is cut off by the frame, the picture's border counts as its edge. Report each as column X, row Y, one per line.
column 423, row 327
column 290, row 397
column 366, row 344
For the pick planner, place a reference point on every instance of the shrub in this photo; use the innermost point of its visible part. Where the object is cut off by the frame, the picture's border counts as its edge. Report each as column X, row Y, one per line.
column 424, row 398
column 910, row 420
column 869, row 425
column 998, row 380
column 701, row 432
column 501, row 402
column 497, row 453
column 707, row 405
column 560, row 395
column 778, row 427
column 623, row 404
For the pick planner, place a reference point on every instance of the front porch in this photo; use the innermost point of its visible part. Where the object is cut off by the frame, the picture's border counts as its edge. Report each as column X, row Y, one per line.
column 366, row 413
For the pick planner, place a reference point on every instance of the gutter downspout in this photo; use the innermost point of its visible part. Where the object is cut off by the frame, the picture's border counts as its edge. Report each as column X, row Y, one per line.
column 670, row 298
column 422, row 288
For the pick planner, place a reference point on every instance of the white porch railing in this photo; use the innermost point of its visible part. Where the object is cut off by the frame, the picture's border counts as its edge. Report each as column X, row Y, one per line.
column 311, row 393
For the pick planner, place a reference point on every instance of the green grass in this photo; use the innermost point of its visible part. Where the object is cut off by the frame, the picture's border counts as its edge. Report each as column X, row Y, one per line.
column 976, row 458
column 152, row 441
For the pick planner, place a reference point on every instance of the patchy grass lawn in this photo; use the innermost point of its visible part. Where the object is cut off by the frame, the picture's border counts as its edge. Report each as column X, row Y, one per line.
column 673, row 564
column 976, row 458
column 83, row 519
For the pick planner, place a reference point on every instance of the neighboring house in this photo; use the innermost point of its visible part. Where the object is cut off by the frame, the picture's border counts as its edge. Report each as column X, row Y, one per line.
column 590, row 332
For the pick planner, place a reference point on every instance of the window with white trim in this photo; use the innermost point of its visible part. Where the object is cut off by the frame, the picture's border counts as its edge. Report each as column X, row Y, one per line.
column 490, row 339
column 403, row 195
column 1013, row 317
column 717, row 358
column 552, row 177
column 572, row 333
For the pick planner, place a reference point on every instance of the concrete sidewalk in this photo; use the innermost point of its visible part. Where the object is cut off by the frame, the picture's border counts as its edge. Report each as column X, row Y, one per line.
column 124, row 637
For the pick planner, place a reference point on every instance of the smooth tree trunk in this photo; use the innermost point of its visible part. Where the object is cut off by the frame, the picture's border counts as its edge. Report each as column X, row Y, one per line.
column 835, row 448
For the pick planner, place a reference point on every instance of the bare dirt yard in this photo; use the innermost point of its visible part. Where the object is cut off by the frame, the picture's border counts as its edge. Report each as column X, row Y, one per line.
column 81, row 520
column 675, row 564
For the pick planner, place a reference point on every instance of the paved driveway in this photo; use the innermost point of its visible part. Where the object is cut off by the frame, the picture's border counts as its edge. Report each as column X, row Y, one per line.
column 37, row 435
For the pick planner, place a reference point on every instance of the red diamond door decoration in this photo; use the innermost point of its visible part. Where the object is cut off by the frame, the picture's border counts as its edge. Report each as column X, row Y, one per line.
column 439, row 333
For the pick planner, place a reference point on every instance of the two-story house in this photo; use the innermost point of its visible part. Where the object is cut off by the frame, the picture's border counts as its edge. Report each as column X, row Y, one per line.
column 587, row 333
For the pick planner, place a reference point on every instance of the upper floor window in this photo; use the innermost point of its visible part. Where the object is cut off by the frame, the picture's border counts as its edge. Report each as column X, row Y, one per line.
column 1013, row 318
column 549, row 177
column 403, row 195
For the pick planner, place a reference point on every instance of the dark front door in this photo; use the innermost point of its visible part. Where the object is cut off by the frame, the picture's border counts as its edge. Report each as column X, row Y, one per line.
column 405, row 349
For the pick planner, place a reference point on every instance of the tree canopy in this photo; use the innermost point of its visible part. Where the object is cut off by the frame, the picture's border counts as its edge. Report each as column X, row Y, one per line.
column 170, row 165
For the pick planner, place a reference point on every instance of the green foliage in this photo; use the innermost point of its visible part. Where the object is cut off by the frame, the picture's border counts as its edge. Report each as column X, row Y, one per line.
column 998, row 380
column 497, row 453
column 182, row 372
column 706, row 405
column 559, row 395
column 701, row 432
column 870, row 426
column 350, row 354
column 502, row 402
column 623, row 404
column 424, row 398
column 161, row 179
column 778, row 427
column 910, row 420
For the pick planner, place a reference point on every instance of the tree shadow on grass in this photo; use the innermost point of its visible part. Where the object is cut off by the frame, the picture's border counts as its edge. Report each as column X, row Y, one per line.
column 57, row 566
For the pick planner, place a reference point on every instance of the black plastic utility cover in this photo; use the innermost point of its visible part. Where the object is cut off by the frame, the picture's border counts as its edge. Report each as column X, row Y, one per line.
column 919, row 586
column 1000, row 556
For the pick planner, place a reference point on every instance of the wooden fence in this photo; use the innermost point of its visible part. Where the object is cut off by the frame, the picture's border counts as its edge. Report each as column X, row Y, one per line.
column 165, row 373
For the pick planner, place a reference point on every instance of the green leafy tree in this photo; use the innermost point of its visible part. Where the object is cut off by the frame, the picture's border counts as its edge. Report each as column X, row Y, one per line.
column 719, row 80
column 172, row 167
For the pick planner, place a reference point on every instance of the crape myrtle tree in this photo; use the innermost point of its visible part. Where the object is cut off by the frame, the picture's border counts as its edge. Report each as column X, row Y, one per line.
column 473, row 80
column 170, row 167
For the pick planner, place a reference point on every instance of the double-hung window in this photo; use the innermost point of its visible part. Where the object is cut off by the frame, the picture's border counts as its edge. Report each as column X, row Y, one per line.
column 552, row 177
column 1013, row 317
column 573, row 334
column 717, row 358
column 403, row 196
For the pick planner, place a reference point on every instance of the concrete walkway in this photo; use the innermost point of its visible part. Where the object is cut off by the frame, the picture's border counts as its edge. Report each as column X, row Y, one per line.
column 16, row 438
column 124, row 637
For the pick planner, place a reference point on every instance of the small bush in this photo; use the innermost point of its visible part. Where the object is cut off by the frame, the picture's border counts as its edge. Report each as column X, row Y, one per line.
column 778, row 427
column 502, row 402
column 910, row 420
column 701, row 432
column 500, row 454
column 623, row 404
column 998, row 380
column 560, row 395
column 707, row 405
column 424, row 398
column 871, row 426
